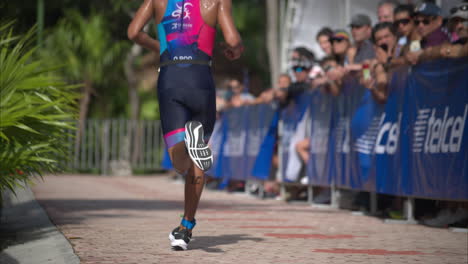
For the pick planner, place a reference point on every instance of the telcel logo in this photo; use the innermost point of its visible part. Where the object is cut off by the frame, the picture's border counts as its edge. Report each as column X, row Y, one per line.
column 391, row 144
column 438, row 135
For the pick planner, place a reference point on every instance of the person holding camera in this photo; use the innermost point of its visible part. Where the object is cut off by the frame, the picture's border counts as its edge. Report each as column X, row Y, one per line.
column 385, row 41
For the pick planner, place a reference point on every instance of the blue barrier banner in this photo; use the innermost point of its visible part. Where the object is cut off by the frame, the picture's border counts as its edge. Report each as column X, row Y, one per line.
column 259, row 121
column 436, row 110
column 356, row 119
column 291, row 116
column 365, row 123
column 319, row 166
column 240, row 136
column 339, row 141
column 233, row 158
column 389, row 154
column 414, row 145
column 216, row 143
column 263, row 164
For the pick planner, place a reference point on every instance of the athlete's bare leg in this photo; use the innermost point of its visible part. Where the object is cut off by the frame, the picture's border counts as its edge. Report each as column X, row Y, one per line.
column 194, row 178
column 194, row 183
column 179, row 158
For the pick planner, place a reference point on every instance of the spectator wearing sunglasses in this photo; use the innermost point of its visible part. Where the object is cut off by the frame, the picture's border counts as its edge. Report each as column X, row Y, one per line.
column 340, row 45
column 404, row 25
column 428, row 22
column 297, row 53
column 300, row 67
column 458, row 23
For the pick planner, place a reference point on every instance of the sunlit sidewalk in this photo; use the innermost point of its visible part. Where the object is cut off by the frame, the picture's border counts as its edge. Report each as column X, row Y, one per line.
column 127, row 220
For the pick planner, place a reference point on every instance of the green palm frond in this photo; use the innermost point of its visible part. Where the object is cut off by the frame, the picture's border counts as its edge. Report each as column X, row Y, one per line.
column 36, row 112
column 85, row 47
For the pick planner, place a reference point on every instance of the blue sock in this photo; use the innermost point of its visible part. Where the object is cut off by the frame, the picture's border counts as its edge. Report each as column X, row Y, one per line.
column 188, row 224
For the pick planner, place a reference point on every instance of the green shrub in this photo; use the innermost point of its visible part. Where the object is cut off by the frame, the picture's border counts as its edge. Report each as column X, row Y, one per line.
column 36, row 111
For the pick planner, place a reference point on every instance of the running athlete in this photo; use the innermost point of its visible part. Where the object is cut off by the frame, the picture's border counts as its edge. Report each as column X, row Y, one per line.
column 186, row 92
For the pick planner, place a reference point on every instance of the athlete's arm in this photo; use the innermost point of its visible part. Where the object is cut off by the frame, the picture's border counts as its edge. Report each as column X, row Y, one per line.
column 233, row 47
column 135, row 33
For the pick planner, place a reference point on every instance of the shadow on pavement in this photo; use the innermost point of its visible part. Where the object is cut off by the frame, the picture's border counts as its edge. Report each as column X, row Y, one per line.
column 21, row 223
column 26, row 232
column 210, row 243
column 7, row 259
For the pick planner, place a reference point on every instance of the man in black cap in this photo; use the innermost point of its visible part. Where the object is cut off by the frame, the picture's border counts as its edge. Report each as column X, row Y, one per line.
column 361, row 30
column 428, row 23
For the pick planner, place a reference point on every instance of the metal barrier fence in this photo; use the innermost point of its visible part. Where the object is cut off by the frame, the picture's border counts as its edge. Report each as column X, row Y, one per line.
column 117, row 146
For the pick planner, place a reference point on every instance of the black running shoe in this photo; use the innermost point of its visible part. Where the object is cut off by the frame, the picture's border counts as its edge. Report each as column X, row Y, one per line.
column 180, row 238
column 197, row 149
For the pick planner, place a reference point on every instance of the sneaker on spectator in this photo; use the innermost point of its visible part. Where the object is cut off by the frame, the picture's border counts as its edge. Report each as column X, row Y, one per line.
column 212, row 185
column 447, row 217
column 396, row 214
column 324, row 197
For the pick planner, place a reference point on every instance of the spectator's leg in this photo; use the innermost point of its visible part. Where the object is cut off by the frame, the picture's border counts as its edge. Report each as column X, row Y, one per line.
column 303, row 148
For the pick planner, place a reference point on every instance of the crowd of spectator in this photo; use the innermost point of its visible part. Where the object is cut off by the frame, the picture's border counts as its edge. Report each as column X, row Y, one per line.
column 404, row 35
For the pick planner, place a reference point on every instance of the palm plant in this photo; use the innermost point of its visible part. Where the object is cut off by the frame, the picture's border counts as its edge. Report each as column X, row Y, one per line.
column 85, row 47
column 33, row 107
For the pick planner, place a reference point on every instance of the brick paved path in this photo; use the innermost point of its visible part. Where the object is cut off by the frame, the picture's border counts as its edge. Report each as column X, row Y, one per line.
column 127, row 220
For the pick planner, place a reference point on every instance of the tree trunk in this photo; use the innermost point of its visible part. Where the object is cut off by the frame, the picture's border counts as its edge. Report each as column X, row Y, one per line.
column 273, row 39
column 130, row 74
column 134, row 130
column 134, row 101
column 84, row 107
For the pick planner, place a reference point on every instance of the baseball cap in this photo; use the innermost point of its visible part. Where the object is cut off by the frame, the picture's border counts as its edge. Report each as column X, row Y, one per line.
column 340, row 34
column 460, row 10
column 428, row 9
column 360, row 20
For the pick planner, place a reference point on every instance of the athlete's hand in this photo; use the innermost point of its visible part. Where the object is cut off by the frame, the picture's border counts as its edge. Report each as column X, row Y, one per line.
column 232, row 53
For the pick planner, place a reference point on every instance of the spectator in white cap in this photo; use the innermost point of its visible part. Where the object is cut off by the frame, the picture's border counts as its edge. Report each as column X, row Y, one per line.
column 458, row 23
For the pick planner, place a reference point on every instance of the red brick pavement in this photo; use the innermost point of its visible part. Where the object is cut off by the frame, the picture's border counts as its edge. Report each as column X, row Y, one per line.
column 127, row 220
